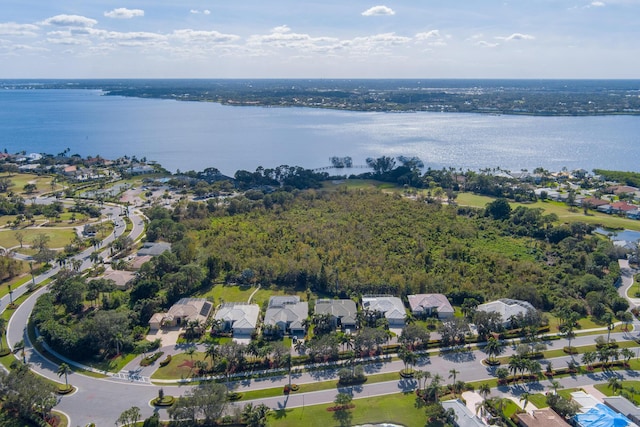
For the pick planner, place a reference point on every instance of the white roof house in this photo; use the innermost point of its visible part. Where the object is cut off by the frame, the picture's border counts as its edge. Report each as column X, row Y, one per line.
column 428, row 303
column 288, row 314
column 241, row 318
column 506, row 307
column 392, row 307
column 464, row 417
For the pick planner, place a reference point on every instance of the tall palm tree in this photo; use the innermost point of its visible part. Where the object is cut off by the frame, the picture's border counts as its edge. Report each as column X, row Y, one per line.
column 211, row 352
column 614, row 384
column 524, row 397
column 484, row 390
column 453, row 373
column 65, row 370
column 493, row 348
column 555, row 385
column 3, row 330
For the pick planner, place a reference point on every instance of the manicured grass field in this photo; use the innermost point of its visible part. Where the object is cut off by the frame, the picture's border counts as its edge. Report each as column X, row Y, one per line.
column 558, row 208
column 626, row 385
column 43, row 183
column 242, row 294
column 58, row 238
column 395, row 408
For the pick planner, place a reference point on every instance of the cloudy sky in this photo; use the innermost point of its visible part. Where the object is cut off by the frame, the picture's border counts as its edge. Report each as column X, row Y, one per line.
column 320, row 39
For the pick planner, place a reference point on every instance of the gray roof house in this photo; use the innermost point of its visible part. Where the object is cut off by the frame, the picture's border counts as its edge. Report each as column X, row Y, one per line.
column 624, row 406
column 392, row 307
column 241, row 318
column 507, row 308
column 154, row 248
column 463, row 416
column 287, row 314
column 428, row 303
column 343, row 312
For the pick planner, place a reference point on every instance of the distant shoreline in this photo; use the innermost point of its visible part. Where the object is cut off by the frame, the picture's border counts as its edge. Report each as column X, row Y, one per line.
column 543, row 98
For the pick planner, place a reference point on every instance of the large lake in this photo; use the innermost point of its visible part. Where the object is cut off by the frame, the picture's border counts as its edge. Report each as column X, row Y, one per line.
column 197, row 135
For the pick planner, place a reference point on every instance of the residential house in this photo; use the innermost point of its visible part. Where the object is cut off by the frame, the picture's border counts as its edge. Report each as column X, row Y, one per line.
column 507, row 308
column 541, row 418
column 392, row 308
column 287, row 314
column 154, row 248
column 343, row 312
column 428, row 304
column 240, row 318
column 463, row 415
column 623, row 406
column 184, row 311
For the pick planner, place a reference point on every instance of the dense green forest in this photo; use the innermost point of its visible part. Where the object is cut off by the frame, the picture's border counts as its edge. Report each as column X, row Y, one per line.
column 350, row 242
column 338, row 243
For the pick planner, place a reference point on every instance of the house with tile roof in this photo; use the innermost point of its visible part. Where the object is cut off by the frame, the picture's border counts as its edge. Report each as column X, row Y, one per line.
column 287, row 314
column 429, row 304
column 182, row 312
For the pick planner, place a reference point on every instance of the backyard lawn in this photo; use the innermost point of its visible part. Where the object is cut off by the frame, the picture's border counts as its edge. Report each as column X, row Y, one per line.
column 396, row 408
column 558, row 208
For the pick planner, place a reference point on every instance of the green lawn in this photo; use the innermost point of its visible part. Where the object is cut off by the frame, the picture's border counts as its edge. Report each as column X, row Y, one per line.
column 43, row 183
column 626, row 385
column 539, row 400
column 181, row 366
column 395, row 408
column 58, row 238
column 241, row 294
column 558, row 208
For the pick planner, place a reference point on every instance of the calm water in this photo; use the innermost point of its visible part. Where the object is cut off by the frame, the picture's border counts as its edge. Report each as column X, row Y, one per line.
column 193, row 135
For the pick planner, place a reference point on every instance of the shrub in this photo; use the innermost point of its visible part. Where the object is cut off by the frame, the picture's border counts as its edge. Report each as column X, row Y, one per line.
column 233, row 396
column 149, row 360
column 166, row 360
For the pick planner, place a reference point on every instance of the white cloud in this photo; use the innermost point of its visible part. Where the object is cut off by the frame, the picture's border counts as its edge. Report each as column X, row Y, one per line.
column 14, row 29
column 189, row 35
column 516, row 36
column 597, row 4
column 197, row 12
column 429, row 35
column 432, row 38
column 378, row 11
column 124, row 13
column 483, row 43
column 282, row 36
column 70, row 21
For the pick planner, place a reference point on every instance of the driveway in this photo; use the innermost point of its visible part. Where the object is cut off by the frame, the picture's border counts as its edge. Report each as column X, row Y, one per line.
column 169, row 337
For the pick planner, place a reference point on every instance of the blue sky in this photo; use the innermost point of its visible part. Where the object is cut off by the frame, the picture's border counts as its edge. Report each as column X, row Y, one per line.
column 320, row 39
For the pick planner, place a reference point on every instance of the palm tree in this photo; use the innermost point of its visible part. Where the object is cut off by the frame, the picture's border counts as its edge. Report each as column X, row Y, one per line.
column 65, row 370
column 524, row 397
column 453, row 374
column 3, row 330
column 588, row 358
column 493, row 348
column 484, row 390
column 627, row 355
column 614, row 384
column 555, row 385
column 211, row 352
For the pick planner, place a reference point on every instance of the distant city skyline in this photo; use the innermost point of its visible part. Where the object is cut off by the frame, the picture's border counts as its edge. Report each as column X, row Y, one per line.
column 312, row 39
